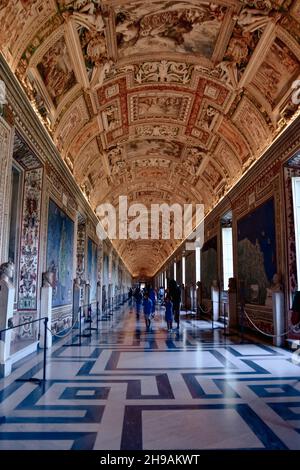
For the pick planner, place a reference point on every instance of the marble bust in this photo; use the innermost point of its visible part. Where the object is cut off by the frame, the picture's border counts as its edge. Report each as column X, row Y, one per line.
column 48, row 278
column 276, row 285
column 232, row 284
column 7, row 271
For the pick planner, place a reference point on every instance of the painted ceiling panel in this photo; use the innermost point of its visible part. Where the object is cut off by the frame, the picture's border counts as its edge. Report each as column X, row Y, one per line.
column 161, row 101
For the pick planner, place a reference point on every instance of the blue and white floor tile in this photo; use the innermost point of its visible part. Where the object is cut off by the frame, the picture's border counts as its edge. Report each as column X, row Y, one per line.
column 128, row 389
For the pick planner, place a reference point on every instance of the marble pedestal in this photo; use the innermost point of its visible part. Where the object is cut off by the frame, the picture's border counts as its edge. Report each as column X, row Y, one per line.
column 232, row 304
column 7, row 296
column 76, row 301
column 215, row 302
column 278, row 318
column 46, row 311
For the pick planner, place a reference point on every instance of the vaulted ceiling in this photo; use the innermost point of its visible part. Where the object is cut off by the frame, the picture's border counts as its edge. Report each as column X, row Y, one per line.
column 162, row 101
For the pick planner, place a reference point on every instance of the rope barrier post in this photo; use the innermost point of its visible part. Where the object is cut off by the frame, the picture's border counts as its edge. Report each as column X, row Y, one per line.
column 97, row 316
column 80, row 317
column 79, row 334
column 45, row 348
column 0, row 338
column 224, row 307
column 242, row 322
column 35, row 379
column 219, row 299
column 212, row 316
column 90, row 313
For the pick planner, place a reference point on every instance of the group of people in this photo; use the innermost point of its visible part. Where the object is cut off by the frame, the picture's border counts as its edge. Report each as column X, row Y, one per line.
column 170, row 298
column 145, row 297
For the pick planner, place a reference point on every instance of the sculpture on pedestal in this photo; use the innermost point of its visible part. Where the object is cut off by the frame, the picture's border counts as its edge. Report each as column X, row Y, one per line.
column 47, row 279
column 276, row 285
column 7, row 271
column 232, row 285
column 199, row 295
column 7, row 295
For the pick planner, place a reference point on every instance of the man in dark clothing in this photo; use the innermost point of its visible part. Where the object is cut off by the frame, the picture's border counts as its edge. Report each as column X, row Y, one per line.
column 130, row 294
column 295, row 316
column 175, row 295
column 138, row 301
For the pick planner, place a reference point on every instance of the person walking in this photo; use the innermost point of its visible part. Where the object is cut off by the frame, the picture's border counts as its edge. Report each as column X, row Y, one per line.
column 175, row 295
column 130, row 294
column 295, row 315
column 147, row 304
column 169, row 313
column 138, row 301
column 152, row 296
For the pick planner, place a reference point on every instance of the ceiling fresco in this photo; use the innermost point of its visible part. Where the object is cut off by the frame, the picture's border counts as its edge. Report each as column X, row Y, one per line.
column 162, row 101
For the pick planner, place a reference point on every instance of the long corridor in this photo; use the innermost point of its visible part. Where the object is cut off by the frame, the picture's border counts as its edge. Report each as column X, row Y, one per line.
column 129, row 389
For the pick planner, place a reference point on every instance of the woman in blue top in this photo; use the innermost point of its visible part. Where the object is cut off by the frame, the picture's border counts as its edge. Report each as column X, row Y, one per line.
column 169, row 313
column 147, row 304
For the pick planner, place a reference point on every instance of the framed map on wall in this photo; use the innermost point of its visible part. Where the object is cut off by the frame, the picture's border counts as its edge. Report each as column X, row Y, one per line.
column 257, row 253
column 209, row 265
column 60, row 251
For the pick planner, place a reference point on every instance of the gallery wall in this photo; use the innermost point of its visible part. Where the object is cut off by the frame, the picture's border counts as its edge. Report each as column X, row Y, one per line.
column 60, row 241
column 46, row 222
column 263, row 234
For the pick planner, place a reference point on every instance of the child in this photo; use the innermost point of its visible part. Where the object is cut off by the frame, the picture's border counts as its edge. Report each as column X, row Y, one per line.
column 147, row 310
column 169, row 313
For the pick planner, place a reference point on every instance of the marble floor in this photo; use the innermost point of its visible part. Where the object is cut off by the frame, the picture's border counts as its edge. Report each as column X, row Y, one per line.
column 129, row 389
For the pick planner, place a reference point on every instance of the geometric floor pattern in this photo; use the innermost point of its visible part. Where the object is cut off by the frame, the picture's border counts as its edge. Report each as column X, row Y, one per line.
column 129, row 389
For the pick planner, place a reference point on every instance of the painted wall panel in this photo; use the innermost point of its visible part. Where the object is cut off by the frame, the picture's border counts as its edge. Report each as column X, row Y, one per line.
column 257, row 253
column 92, row 268
column 60, row 242
column 209, row 265
column 30, row 240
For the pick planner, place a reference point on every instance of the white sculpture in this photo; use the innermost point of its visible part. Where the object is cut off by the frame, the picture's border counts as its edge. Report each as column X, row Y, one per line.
column 7, row 295
column 48, row 278
column 89, row 16
column 251, row 19
column 105, row 69
column 46, row 307
column 276, row 283
column 229, row 73
column 7, row 271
